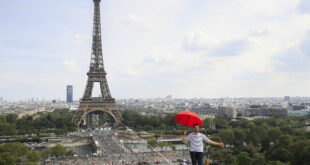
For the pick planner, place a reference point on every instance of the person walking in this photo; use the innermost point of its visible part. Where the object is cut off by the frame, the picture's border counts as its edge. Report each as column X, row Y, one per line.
column 196, row 140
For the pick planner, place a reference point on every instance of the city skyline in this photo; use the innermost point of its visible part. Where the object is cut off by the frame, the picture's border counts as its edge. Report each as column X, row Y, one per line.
column 157, row 48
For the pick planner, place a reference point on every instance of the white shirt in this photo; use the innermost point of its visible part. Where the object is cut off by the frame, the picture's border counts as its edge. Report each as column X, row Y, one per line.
column 196, row 141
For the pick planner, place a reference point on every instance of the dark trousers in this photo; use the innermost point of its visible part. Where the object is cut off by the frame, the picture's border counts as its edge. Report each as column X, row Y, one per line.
column 196, row 158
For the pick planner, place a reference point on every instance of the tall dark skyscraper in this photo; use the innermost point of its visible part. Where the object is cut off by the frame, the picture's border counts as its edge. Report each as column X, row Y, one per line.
column 286, row 98
column 69, row 93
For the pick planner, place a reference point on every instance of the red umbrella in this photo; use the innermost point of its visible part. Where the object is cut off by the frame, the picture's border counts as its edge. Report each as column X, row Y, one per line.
column 187, row 118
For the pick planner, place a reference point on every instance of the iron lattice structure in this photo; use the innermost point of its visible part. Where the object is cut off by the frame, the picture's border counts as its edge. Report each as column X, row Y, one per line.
column 105, row 103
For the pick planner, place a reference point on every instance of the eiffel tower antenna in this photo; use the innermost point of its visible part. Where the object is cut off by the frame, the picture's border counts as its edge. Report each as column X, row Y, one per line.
column 89, row 105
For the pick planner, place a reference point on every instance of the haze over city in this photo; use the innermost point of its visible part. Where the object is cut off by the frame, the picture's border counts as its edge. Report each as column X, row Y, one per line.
column 234, row 48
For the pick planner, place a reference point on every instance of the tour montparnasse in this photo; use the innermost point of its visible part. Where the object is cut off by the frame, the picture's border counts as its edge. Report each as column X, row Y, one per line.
column 89, row 105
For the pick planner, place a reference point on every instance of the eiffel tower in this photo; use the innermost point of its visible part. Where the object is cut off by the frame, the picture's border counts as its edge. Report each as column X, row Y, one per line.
column 90, row 106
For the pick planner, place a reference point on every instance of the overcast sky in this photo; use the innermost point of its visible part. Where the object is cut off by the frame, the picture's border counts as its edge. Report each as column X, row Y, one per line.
column 154, row 48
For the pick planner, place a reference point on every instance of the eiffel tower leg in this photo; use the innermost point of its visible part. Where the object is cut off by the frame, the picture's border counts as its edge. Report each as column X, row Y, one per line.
column 118, row 115
column 88, row 90
column 89, row 120
column 105, row 92
column 101, row 118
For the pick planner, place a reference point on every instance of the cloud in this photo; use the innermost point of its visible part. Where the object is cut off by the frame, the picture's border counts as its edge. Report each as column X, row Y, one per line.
column 200, row 41
column 29, row 79
column 304, row 6
column 305, row 45
column 71, row 65
column 259, row 32
column 7, row 64
column 295, row 58
column 292, row 60
column 79, row 39
column 197, row 41
column 136, row 23
column 230, row 48
column 250, row 75
column 163, row 64
column 161, row 58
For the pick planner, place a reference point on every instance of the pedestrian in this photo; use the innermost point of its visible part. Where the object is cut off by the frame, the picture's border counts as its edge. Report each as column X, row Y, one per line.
column 196, row 140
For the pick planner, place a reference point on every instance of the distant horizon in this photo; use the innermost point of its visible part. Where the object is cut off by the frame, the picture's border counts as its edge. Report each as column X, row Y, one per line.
column 163, row 97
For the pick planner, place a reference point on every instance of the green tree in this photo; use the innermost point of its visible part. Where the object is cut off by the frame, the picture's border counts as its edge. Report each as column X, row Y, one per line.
column 250, row 149
column 305, row 155
column 7, row 129
column 243, row 158
column 227, row 136
column 2, row 119
column 257, row 134
column 265, row 145
column 58, row 150
column 261, row 132
column 281, row 154
column 287, row 130
column 162, row 145
column 152, row 142
column 217, row 155
column 130, row 118
column 278, row 163
column 6, row 159
column 70, row 153
column 34, row 156
column 11, row 118
column 220, row 123
column 243, row 123
column 15, row 149
column 230, row 159
column 259, row 160
column 168, row 119
column 173, row 147
column 274, row 134
column 240, row 137
column 284, row 141
column 30, row 163
column 45, row 153
column 300, row 153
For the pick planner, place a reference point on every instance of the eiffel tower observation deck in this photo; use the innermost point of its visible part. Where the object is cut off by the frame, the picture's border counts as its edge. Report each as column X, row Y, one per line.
column 96, row 106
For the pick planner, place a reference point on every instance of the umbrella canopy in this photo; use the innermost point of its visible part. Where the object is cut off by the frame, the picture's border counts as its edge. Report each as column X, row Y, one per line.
column 187, row 118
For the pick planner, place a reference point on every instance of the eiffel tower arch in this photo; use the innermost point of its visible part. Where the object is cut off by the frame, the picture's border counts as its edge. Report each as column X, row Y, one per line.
column 105, row 103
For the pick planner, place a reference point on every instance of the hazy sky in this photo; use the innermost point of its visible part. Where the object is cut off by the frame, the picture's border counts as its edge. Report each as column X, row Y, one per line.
column 151, row 48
